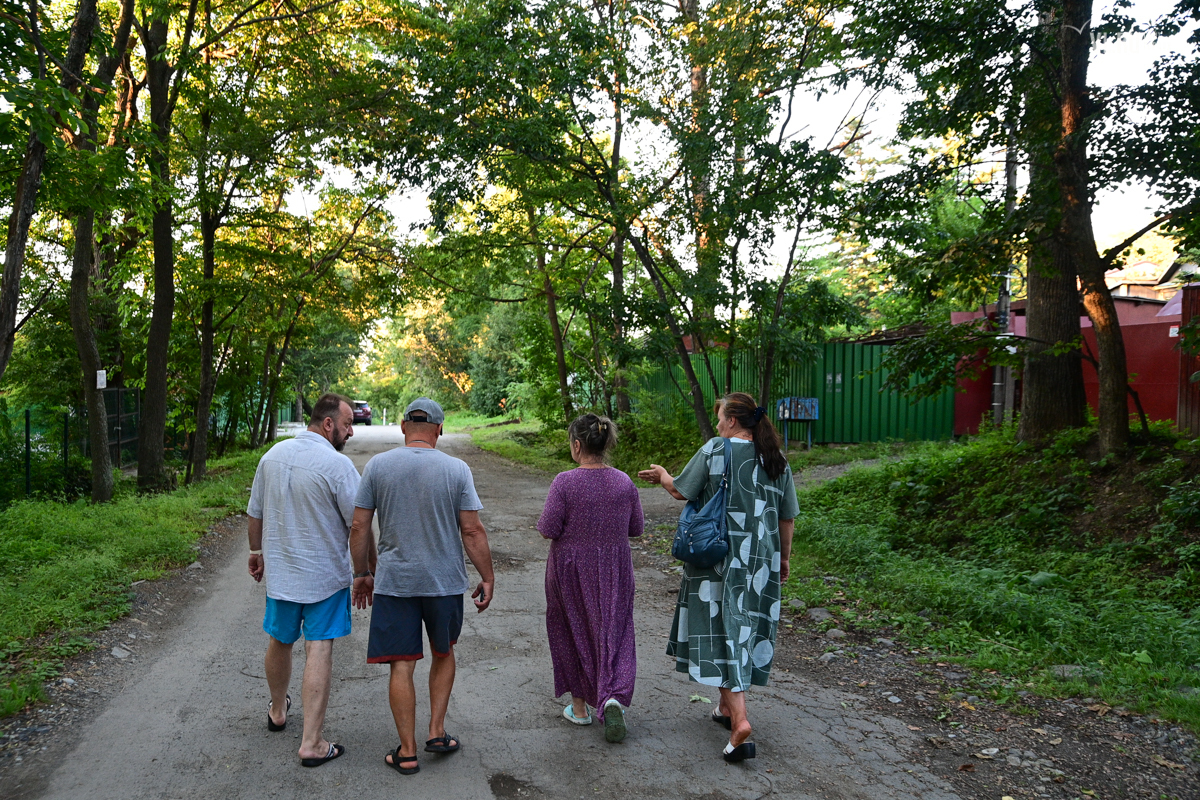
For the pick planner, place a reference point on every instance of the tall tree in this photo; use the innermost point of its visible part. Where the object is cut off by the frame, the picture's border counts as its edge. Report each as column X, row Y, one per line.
column 983, row 71
column 42, row 110
column 83, row 264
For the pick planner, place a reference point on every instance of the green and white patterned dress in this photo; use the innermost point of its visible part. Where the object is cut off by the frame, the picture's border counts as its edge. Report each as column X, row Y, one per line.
column 726, row 616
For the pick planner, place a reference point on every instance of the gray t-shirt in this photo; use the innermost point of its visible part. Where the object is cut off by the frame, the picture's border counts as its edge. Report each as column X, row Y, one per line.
column 417, row 494
column 304, row 493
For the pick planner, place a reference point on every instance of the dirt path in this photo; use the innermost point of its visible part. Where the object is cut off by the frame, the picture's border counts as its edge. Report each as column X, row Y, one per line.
column 187, row 719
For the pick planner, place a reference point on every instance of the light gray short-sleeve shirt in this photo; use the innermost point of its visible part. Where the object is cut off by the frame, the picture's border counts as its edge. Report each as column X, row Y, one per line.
column 417, row 494
column 304, row 493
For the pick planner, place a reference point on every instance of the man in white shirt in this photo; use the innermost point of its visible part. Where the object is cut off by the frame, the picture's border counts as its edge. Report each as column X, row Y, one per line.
column 301, row 508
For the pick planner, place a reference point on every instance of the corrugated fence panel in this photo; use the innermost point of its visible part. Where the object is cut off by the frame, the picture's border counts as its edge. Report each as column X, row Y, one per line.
column 853, row 407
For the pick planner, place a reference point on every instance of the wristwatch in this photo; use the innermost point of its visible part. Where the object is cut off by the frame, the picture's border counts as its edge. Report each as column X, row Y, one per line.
column 364, row 574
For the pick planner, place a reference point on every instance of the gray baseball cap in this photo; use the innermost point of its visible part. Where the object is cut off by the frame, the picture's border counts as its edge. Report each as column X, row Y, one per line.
column 429, row 408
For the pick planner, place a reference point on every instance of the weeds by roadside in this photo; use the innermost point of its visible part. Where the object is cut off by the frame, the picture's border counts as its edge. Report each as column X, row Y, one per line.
column 67, row 567
column 1074, row 575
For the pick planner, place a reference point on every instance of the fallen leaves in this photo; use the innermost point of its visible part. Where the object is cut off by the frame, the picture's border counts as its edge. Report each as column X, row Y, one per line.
column 1056, row 741
column 1100, row 708
column 966, row 768
column 699, row 698
column 1162, row 762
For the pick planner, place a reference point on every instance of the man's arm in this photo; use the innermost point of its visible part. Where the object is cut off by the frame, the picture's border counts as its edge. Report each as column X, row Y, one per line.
column 257, row 566
column 787, row 527
column 475, row 542
column 362, row 557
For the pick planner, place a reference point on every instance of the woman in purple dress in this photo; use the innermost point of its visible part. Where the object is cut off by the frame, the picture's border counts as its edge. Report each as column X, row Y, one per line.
column 590, row 515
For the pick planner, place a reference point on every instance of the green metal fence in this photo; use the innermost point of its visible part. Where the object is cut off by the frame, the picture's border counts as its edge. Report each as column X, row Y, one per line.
column 852, row 405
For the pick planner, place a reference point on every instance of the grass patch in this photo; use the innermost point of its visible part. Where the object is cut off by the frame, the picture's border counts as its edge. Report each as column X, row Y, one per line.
column 465, row 421
column 527, row 443
column 642, row 441
column 828, row 455
column 1018, row 560
column 66, row 568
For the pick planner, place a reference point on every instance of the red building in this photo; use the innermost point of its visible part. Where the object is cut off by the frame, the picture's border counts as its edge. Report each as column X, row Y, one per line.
column 1150, row 328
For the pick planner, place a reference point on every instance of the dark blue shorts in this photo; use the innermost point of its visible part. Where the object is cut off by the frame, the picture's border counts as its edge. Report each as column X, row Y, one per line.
column 396, row 627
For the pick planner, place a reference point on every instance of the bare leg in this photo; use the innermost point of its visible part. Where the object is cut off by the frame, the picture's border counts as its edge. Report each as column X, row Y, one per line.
column 402, row 697
column 318, row 669
column 733, row 704
column 278, row 666
column 441, row 681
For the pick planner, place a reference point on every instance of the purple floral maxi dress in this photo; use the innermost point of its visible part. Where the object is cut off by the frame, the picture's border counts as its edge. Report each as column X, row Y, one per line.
column 589, row 518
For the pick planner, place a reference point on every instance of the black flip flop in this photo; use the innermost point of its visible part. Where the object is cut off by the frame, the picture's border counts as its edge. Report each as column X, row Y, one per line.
column 271, row 726
column 441, row 744
column 335, row 750
column 742, row 752
column 397, row 759
column 721, row 719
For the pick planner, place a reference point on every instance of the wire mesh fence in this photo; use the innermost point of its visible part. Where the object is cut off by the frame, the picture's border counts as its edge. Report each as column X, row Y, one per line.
column 41, row 453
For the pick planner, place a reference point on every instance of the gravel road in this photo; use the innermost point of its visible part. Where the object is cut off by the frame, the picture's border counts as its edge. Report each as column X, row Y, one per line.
column 188, row 720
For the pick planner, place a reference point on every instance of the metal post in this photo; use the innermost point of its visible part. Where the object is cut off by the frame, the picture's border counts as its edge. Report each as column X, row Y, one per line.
column 66, row 444
column 28, row 473
column 1001, row 376
column 120, row 410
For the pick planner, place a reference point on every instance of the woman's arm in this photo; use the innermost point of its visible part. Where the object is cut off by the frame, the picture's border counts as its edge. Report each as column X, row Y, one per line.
column 554, row 516
column 637, row 520
column 659, row 475
column 787, row 527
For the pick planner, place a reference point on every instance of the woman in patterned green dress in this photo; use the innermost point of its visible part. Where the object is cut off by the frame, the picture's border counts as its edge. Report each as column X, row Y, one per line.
column 726, row 617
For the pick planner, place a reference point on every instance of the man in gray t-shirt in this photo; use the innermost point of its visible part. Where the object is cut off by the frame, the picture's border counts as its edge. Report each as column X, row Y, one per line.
column 428, row 520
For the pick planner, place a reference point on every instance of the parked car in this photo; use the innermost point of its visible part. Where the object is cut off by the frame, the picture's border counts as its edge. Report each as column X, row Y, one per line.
column 362, row 412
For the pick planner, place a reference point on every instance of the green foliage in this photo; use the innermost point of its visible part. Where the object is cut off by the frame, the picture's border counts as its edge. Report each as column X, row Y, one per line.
column 67, row 567
column 1017, row 561
column 495, row 364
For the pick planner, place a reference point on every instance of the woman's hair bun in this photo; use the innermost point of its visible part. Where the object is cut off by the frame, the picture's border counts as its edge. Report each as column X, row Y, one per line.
column 596, row 434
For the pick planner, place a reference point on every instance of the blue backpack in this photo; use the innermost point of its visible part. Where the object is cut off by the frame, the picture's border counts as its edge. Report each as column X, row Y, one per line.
column 702, row 538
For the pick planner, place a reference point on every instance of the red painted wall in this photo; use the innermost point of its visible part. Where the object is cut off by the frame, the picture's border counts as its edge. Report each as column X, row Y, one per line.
column 1153, row 363
column 1150, row 356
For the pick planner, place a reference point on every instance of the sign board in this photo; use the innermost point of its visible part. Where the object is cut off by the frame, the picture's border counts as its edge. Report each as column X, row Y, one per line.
column 101, row 379
column 799, row 409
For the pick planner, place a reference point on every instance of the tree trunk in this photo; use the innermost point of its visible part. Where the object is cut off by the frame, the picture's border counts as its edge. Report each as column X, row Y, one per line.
column 208, row 381
column 703, row 421
column 89, row 357
column 152, row 467
column 560, row 355
column 1075, row 226
column 1053, row 397
column 29, row 181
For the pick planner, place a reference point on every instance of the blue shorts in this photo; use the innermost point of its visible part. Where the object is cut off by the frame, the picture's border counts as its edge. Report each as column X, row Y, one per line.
column 326, row 619
column 396, row 627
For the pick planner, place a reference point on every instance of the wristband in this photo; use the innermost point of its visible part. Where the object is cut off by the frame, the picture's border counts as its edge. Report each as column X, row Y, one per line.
column 364, row 574
column 256, row 552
